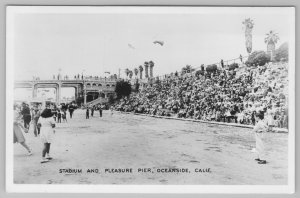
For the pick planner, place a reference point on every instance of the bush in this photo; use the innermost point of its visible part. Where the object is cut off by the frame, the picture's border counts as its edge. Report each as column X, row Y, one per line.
column 258, row 58
column 232, row 66
column 199, row 72
column 187, row 69
column 282, row 53
column 123, row 88
column 211, row 68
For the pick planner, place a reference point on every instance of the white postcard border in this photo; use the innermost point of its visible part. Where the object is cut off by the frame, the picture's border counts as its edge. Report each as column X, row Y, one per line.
column 216, row 189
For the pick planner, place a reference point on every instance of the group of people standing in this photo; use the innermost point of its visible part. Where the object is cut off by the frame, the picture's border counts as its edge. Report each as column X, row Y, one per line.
column 92, row 109
column 40, row 122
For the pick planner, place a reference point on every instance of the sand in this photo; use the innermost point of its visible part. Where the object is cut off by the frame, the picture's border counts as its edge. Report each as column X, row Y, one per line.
column 146, row 149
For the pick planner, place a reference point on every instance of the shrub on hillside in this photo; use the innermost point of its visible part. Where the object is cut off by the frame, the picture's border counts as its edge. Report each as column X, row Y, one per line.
column 282, row 53
column 232, row 66
column 258, row 58
column 211, row 68
column 199, row 72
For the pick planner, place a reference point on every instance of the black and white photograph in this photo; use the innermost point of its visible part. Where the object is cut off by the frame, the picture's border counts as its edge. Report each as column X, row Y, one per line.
column 150, row 99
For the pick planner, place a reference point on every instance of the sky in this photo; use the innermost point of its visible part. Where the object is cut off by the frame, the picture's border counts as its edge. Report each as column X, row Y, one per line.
column 94, row 40
column 93, row 43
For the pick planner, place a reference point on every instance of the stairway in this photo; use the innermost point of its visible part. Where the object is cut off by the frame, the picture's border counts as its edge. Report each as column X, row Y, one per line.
column 96, row 101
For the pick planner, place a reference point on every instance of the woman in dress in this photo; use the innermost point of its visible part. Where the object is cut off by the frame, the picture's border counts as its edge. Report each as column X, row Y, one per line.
column 19, row 129
column 47, row 132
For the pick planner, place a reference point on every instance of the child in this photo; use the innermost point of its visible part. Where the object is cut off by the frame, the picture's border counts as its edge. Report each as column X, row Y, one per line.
column 259, row 129
column 58, row 116
column 64, row 116
column 47, row 133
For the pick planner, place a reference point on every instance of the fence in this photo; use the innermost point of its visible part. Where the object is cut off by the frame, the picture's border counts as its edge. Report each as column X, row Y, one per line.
column 226, row 63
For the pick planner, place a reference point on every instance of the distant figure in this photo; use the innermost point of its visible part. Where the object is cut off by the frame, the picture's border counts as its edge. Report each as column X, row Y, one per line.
column 25, row 112
column 202, row 67
column 36, row 115
column 92, row 111
column 100, row 111
column 241, row 58
column 58, row 116
column 87, row 113
column 111, row 110
column 71, row 110
column 54, row 113
column 64, row 116
column 222, row 63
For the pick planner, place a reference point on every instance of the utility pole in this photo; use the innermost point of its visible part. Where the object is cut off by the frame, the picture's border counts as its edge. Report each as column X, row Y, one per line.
column 119, row 72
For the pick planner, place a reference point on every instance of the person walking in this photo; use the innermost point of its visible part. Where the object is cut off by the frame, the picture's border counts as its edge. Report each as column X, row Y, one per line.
column 18, row 129
column 259, row 130
column 47, row 133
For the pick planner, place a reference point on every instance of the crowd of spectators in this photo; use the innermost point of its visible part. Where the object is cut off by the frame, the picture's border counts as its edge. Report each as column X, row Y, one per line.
column 80, row 77
column 222, row 96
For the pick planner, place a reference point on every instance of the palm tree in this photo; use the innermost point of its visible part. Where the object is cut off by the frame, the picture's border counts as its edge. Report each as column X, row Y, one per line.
column 141, row 71
column 146, row 65
column 127, row 72
column 130, row 74
column 271, row 39
column 151, row 64
column 187, row 69
column 136, row 71
column 248, row 23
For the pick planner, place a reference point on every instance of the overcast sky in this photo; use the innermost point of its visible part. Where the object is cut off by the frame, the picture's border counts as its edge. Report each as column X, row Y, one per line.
column 93, row 42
